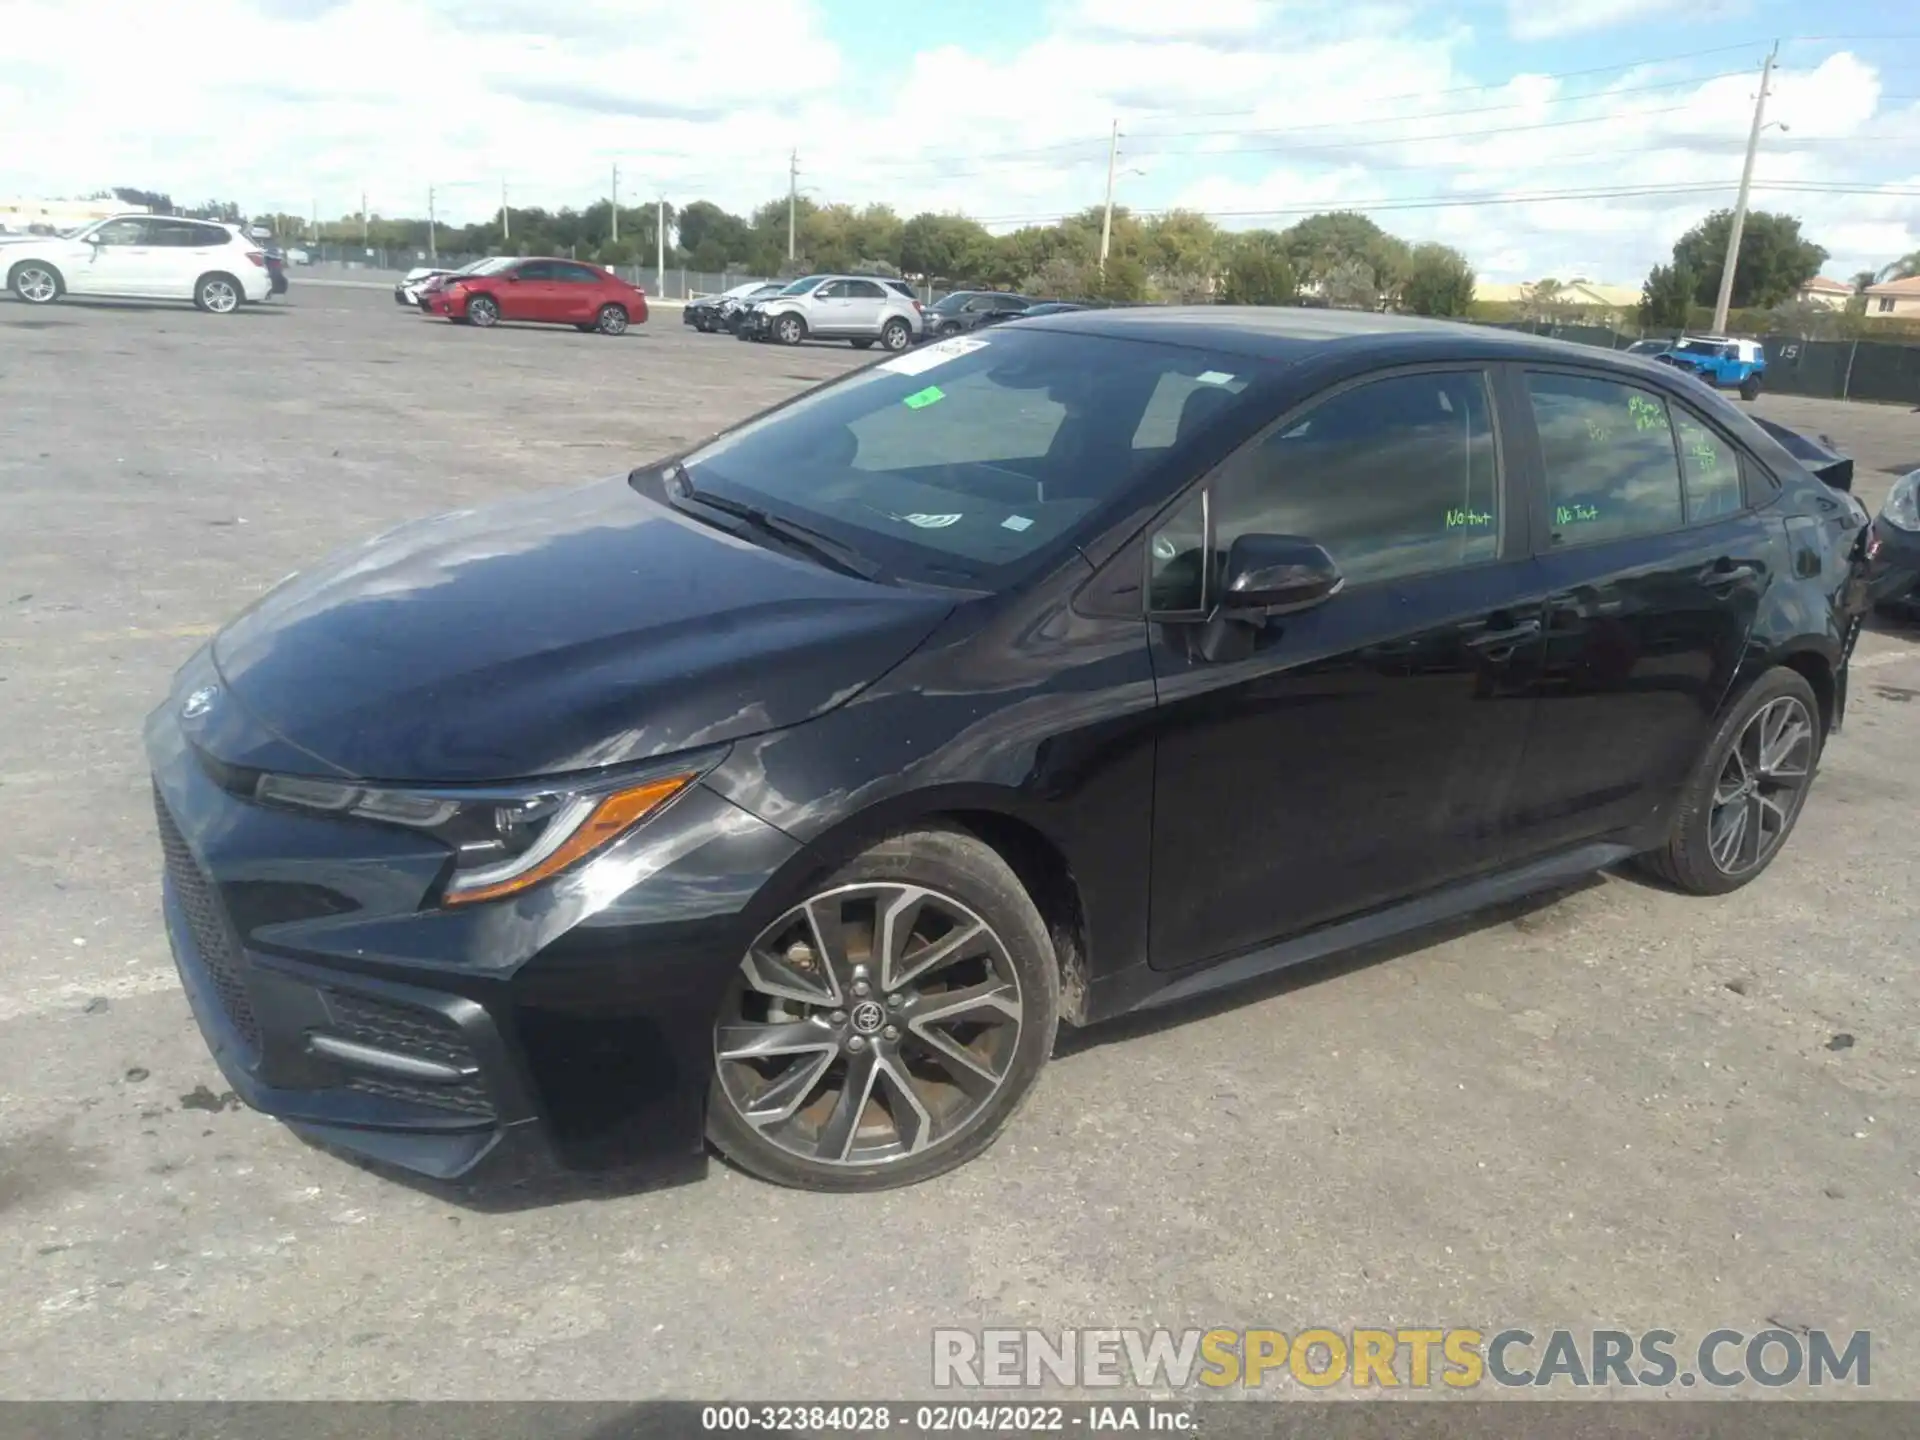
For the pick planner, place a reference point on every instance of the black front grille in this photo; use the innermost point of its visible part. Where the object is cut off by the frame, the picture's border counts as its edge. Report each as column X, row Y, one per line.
column 212, row 937
column 415, row 1032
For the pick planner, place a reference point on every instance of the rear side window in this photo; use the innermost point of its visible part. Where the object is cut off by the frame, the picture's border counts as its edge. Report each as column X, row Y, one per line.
column 577, row 274
column 1394, row 478
column 865, row 290
column 1611, row 466
column 1709, row 470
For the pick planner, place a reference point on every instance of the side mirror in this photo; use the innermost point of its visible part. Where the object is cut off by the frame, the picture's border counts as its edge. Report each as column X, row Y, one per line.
column 1278, row 574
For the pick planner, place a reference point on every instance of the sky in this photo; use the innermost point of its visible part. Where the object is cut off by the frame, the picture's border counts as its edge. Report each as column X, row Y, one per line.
column 1432, row 117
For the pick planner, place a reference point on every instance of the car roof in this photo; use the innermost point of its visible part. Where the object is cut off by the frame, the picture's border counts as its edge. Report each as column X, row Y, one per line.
column 1287, row 334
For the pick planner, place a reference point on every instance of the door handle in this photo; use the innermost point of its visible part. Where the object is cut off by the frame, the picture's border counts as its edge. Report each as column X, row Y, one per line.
column 1725, row 572
column 1509, row 637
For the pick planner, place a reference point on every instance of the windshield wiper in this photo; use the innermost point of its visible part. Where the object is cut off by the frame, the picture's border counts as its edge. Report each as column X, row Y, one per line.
column 825, row 548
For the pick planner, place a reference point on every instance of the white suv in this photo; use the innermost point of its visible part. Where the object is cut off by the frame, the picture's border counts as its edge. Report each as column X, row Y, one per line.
column 145, row 257
column 860, row 308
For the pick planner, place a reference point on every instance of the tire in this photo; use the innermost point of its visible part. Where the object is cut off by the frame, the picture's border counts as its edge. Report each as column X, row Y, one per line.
column 1760, row 773
column 862, row 344
column 789, row 329
column 896, row 334
column 612, row 320
column 1750, row 388
column 218, row 293
column 789, row 1059
column 483, row 311
column 36, row 282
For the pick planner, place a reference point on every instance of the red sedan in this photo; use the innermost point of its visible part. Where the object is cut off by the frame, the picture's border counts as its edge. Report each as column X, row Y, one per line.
column 549, row 292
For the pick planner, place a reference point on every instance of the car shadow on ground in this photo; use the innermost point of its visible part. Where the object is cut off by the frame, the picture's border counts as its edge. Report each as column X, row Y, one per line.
column 1074, row 1041
column 183, row 307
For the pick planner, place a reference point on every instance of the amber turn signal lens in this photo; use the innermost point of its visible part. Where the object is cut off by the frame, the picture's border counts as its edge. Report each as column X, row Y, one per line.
column 612, row 817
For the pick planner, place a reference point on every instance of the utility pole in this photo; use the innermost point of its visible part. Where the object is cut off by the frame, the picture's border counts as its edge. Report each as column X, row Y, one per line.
column 793, row 196
column 313, row 230
column 1106, row 225
column 433, row 247
column 506, row 219
column 660, row 252
column 363, row 217
column 1725, row 299
column 616, row 202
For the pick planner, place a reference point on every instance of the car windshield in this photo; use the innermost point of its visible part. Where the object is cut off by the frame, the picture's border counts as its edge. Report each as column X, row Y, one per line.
column 957, row 461
column 802, row 286
column 491, row 265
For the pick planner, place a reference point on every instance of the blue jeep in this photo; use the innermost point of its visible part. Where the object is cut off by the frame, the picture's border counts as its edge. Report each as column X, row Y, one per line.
column 1727, row 364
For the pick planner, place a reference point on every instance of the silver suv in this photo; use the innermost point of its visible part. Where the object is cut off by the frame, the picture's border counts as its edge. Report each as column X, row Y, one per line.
column 859, row 308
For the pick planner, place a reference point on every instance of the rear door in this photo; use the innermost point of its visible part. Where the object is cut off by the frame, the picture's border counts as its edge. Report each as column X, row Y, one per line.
column 576, row 292
column 184, row 250
column 1363, row 750
column 1655, row 568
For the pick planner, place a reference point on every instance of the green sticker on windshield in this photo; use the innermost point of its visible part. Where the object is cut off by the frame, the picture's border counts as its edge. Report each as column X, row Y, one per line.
column 920, row 399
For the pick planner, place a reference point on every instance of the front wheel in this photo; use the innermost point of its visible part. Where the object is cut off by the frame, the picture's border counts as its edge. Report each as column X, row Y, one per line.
column 1745, row 795
column 886, row 1028
column 790, row 329
column 896, row 334
column 218, row 294
column 483, row 312
column 34, row 282
column 612, row 320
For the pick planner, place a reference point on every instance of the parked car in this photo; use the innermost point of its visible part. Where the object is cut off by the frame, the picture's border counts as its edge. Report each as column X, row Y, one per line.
column 1729, row 364
column 858, row 308
column 426, row 289
column 1048, row 307
column 543, row 291
column 142, row 257
column 276, row 260
column 1647, row 347
column 704, row 313
column 790, row 791
column 1895, row 576
column 969, row 310
column 297, row 256
column 730, row 314
column 406, row 290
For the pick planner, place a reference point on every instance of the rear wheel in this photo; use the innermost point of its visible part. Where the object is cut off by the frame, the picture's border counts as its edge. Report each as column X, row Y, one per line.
column 482, row 311
column 1750, row 388
column 1745, row 795
column 896, row 334
column 885, row 1029
column 612, row 320
column 218, row 294
column 35, row 282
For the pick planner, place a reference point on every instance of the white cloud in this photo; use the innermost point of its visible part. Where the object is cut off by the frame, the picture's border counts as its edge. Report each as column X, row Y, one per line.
column 1227, row 105
column 1551, row 19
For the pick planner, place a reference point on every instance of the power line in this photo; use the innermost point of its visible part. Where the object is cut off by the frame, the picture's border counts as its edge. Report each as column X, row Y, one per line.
column 1423, row 139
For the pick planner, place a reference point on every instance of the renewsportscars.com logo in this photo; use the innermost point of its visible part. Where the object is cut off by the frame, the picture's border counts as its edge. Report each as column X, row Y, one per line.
column 1399, row 1358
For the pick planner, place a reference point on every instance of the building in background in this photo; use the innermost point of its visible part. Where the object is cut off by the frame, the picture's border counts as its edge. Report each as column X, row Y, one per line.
column 1820, row 290
column 44, row 217
column 1894, row 300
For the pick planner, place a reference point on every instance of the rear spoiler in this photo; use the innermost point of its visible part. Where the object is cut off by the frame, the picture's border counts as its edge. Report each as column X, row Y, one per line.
column 1821, row 456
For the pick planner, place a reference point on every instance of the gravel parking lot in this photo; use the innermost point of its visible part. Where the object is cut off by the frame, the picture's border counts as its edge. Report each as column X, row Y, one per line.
column 1623, row 1107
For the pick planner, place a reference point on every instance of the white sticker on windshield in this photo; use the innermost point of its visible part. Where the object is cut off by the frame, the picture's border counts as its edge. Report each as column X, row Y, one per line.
column 1016, row 522
column 1215, row 377
column 917, row 362
column 932, row 522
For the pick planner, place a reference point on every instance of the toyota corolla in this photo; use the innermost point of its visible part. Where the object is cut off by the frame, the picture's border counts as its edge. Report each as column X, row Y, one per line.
column 786, row 794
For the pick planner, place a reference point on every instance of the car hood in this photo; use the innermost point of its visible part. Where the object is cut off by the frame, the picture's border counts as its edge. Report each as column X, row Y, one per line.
column 560, row 632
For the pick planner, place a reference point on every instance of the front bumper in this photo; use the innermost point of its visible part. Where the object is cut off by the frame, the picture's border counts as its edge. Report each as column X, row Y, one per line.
column 565, row 1029
column 1893, row 575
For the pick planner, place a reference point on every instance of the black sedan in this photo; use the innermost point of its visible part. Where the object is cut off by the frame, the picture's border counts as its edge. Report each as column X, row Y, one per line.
column 787, row 794
column 969, row 310
column 1895, row 579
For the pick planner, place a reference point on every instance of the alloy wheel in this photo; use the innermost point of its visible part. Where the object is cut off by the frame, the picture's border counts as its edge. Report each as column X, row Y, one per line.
column 35, row 285
column 1760, row 786
column 220, row 296
column 613, row 320
column 868, row 1024
column 789, row 330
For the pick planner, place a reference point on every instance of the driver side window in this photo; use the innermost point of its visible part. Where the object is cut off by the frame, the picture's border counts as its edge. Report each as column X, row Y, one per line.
column 1394, row 478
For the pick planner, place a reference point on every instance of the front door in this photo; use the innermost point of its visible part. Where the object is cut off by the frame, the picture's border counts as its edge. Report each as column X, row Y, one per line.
column 830, row 308
column 122, row 261
column 1363, row 750
column 1655, row 570
column 527, row 292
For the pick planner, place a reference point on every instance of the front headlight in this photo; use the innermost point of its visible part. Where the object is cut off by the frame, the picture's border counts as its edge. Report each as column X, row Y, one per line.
column 506, row 839
column 1902, row 509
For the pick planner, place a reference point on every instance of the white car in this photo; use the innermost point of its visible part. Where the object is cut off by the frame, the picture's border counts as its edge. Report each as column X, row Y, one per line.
column 407, row 290
column 142, row 257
